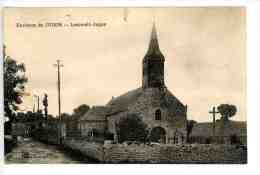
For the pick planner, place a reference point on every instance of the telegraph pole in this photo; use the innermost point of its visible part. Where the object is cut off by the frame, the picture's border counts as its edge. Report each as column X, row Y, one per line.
column 34, row 103
column 38, row 104
column 36, row 100
column 59, row 65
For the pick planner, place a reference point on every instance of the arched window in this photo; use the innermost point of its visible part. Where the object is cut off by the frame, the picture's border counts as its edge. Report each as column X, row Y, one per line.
column 158, row 114
column 175, row 139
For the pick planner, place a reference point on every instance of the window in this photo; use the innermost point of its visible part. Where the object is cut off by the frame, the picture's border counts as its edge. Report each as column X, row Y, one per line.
column 175, row 140
column 158, row 114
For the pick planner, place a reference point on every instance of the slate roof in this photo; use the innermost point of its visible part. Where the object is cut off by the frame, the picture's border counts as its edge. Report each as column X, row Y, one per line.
column 121, row 103
column 95, row 113
column 173, row 104
column 202, row 130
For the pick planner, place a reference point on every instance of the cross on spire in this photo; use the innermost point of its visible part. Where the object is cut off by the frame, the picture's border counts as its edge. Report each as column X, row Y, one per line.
column 154, row 49
column 154, row 33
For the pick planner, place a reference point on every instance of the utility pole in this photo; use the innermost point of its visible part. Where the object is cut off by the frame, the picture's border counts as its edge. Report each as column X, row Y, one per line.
column 33, row 104
column 37, row 100
column 59, row 65
column 38, row 104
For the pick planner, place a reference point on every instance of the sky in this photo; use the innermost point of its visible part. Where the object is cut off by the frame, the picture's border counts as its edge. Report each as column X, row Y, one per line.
column 204, row 49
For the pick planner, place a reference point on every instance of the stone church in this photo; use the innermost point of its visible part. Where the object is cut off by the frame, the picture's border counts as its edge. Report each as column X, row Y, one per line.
column 163, row 113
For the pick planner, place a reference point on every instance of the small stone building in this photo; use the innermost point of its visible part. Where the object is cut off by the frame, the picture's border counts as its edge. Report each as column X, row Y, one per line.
column 226, row 132
column 93, row 122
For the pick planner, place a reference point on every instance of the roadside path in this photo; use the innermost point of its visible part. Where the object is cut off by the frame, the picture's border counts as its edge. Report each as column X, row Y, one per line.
column 34, row 152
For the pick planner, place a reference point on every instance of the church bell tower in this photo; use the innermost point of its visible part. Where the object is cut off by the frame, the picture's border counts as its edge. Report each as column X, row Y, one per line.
column 153, row 64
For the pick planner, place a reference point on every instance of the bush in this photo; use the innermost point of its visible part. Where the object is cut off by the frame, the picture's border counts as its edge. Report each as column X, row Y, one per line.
column 132, row 128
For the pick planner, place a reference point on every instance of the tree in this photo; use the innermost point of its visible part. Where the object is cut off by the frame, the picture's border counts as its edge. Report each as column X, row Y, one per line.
column 80, row 110
column 72, row 120
column 189, row 127
column 132, row 128
column 65, row 116
column 14, row 81
column 29, row 116
column 227, row 111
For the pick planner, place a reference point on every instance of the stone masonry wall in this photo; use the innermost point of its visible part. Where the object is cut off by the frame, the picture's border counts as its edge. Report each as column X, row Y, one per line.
column 175, row 154
column 90, row 149
column 196, row 153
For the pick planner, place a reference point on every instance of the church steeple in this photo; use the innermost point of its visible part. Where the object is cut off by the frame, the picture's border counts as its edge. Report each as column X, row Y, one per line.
column 154, row 49
column 153, row 64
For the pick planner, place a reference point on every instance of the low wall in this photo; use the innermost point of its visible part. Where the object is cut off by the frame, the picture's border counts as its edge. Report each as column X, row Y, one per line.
column 179, row 154
column 9, row 143
column 90, row 149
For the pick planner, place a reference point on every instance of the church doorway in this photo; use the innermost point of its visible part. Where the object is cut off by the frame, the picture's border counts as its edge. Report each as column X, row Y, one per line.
column 158, row 134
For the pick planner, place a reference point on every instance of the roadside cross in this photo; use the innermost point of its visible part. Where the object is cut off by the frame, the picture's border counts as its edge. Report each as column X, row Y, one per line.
column 214, row 112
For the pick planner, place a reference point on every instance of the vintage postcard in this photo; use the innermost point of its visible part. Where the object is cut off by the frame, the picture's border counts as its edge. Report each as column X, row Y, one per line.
column 125, row 85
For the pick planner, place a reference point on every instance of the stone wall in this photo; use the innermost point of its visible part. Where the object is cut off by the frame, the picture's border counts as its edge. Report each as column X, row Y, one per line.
column 196, row 153
column 90, row 149
column 175, row 154
column 19, row 129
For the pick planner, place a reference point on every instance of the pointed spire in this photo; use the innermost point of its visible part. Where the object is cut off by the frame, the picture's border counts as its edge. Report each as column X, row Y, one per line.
column 154, row 34
column 154, row 50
